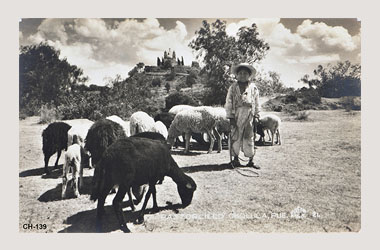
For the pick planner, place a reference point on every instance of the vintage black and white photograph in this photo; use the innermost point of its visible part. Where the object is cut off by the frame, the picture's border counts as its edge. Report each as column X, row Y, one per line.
column 190, row 125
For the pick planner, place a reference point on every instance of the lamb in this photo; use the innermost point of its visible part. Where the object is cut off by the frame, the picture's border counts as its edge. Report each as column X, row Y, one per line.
column 73, row 161
column 79, row 129
column 54, row 139
column 124, row 124
column 141, row 122
column 269, row 122
column 161, row 128
column 196, row 120
column 132, row 162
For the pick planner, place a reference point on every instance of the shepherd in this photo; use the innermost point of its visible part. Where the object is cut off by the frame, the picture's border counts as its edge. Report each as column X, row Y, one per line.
column 242, row 108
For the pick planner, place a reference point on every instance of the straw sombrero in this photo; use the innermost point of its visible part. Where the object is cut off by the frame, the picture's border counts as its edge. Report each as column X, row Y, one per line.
column 245, row 65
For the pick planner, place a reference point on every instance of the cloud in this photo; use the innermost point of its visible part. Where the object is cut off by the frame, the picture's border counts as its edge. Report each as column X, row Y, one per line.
column 51, row 29
column 110, row 48
column 325, row 38
column 20, row 36
column 293, row 54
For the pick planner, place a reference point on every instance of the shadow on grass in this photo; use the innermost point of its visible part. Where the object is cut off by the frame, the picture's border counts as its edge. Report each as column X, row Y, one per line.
column 55, row 193
column 84, row 222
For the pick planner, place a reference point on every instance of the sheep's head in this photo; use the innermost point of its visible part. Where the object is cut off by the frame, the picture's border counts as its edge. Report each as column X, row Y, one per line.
column 186, row 190
column 172, row 134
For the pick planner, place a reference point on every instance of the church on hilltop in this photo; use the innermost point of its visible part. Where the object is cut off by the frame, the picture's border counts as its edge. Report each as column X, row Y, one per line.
column 169, row 60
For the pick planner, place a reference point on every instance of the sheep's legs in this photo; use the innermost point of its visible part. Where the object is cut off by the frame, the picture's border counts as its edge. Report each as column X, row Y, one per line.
column 58, row 155
column 219, row 139
column 212, row 140
column 131, row 200
column 46, row 159
column 140, row 219
column 64, row 180
column 117, row 207
column 76, row 179
column 273, row 135
column 138, row 192
column 100, row 208
column 278, row 137
column 155, row 207
column 187, row 142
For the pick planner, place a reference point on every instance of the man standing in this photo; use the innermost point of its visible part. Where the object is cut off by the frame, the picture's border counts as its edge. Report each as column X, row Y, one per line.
column 242, row 106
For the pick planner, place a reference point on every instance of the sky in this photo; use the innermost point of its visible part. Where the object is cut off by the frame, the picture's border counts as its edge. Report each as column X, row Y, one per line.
column 104, row 48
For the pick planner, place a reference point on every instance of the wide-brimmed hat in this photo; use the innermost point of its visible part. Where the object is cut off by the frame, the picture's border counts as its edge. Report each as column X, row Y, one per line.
column 244, row 65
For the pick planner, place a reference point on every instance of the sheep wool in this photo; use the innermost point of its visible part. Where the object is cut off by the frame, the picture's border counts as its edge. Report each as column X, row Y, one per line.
column 141, row 122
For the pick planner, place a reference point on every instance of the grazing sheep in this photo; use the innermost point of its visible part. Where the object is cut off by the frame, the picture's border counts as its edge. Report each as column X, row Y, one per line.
column 124, row 124
column 132, row 162
column 102, row 134
column 178, row 108
column 73, row 161
column 141, row 122
column 272, row 123
column 54, row 140
column 161, row 128
column 196, row 120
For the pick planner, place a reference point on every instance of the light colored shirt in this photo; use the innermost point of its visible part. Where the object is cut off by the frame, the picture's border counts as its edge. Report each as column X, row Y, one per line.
column 235, row 99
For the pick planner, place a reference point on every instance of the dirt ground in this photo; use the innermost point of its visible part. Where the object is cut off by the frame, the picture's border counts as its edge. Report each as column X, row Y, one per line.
column 310, row 183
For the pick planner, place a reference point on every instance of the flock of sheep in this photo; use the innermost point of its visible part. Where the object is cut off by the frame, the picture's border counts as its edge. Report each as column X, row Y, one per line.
column 133, row 155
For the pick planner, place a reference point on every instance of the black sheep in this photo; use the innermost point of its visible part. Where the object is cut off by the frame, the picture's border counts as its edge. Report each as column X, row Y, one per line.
column 54, row 140
column 134, row 162
column 166, row 118
column 101, row 135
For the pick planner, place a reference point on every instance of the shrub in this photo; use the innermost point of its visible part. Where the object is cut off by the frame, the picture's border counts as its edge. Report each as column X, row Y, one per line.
column 48, row 114
column 351, row 103
column 290, row 99
column 178, row 98
column 303, row 115
column 156, row 82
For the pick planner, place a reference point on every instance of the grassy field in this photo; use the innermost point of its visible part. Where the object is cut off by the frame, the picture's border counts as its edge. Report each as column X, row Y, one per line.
column 311, row 183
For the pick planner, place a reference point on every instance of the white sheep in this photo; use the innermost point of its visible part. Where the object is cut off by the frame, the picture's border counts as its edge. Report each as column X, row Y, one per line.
column 178, row 108
column 79, row 127
column 121, row 122
column 195, row 120
column 161, row 128
column 73, row 161
column 272, row 123
column 141, row 122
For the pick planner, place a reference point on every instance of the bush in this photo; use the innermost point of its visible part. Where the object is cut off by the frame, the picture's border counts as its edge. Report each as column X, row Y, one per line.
column 351, row 103
column 178, row 98
column 303, row 115
column 48, row 114
column 156, row 82
column 290, row 99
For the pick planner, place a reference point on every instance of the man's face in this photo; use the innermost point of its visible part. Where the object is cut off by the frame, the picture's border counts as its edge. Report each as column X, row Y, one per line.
column 243, row 75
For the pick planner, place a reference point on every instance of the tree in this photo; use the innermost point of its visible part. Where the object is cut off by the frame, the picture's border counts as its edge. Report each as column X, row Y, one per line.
column 219, row 52
column 136, row 69
column 44, row 77
column 342, row 79
column 158, row 62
